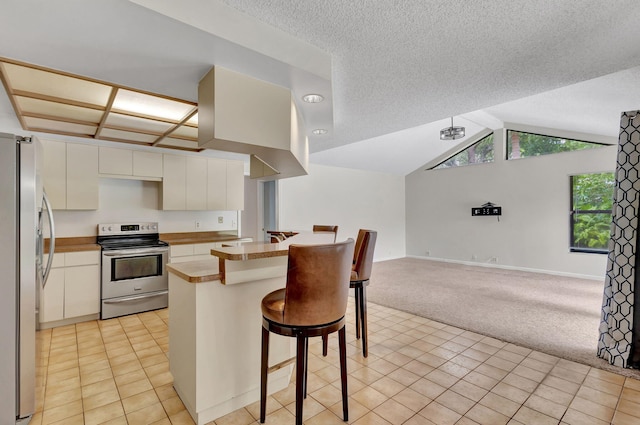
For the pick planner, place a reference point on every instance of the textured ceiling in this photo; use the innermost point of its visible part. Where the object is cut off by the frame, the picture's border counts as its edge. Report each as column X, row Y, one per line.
column 398, row 70
column 400, row 64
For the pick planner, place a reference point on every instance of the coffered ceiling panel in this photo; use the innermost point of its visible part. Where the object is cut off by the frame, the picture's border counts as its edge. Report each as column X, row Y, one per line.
column 59, row 127
column 51, row 101
column 115, row 120
column 129, row 136
column 44, row 108
column 171, row 142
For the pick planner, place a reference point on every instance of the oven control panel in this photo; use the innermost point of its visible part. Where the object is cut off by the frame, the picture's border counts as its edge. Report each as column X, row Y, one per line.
column 113, row 229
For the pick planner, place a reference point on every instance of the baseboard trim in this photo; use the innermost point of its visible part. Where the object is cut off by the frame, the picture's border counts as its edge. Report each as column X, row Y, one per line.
column 505, row 267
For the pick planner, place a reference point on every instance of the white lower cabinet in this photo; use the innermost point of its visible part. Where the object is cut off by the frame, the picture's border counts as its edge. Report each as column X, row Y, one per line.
column 192, row 252
column 198, row 251
column 73, row 287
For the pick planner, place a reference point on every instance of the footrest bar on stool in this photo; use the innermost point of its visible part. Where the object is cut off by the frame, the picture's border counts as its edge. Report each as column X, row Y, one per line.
column 281, row 364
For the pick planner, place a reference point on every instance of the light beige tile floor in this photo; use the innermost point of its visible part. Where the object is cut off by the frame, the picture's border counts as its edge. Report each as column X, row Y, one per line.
column 418, row 372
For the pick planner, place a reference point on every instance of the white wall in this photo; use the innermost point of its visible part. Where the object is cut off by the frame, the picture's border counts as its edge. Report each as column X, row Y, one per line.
column 351, row 199
column 124, row 201
column 533, row 231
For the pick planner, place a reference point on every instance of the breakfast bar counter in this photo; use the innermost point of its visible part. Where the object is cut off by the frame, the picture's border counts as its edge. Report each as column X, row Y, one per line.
column 215, row 323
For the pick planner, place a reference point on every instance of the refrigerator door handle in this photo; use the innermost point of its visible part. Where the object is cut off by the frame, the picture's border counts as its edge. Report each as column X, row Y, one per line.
column 52, row 239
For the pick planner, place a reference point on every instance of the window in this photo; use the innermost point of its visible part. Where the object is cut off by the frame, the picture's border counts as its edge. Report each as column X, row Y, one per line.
column 479, row 152
column 591, row 205
column 522, row 145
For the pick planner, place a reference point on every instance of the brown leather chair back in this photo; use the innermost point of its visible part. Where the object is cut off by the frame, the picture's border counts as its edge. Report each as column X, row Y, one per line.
column 363, row 258
column 326, row 228
column 317, row 283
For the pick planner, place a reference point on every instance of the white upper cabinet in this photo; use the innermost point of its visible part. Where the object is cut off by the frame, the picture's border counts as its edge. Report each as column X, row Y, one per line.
column 193, row 183
column 127, row 163
column 116, row 161
column 196, row 190
column 174, row 182
column 235, row 186
column 55, row 173
column 216, row 184
column 71, row 175
column 72, row 171
column 82, row 177
column 147, row 164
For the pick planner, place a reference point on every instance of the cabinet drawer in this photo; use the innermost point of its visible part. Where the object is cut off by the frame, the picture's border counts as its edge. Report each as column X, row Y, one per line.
column 205, row 248
column 81, row 258
column 181, row 250
column 58, row 260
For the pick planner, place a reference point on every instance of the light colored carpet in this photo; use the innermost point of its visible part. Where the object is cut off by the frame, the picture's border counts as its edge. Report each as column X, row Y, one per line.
column 553, row 314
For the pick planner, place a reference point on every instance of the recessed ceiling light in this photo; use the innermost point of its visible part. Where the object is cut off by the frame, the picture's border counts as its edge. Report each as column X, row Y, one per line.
column 319, row 131
column 313, row 98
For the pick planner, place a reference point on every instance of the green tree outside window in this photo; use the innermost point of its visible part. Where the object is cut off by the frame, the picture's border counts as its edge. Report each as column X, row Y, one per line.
column 479, row 152
column 523, row 145
column 591, row 206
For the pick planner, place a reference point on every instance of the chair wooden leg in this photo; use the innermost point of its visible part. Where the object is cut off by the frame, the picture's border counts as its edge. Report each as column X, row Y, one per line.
column 357, row 303
column 306, row 364
column 325, row 345
column 342, row 341
column 300, row 370
column 363, row 320
column 263, row 374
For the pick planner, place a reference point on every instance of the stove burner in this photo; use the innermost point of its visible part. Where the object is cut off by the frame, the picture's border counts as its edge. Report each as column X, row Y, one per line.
column 129, row 236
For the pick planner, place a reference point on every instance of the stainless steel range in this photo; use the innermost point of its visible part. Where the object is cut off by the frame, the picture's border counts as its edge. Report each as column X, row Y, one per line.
column 134, row 275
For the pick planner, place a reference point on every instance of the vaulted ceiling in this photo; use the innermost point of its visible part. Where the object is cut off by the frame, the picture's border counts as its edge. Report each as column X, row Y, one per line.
column 392, row 72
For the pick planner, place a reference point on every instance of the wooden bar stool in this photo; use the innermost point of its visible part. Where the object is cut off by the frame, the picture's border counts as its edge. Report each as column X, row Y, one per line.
column 360, row 275
column 313, row 303
column 326, row 228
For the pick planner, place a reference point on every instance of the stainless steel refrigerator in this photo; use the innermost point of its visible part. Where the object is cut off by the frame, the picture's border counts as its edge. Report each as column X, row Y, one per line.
column 23, row 206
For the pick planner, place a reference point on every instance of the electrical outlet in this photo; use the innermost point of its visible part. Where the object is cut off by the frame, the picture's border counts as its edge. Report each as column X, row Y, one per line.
column 428, row 253
column 197, row 224
column 473, row 257
column 220, row 220
column 493, row 259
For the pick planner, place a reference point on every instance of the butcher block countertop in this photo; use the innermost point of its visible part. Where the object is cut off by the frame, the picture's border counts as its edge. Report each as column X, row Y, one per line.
column 183, row 238
column 73, row 244
column 251, row 251
column 89, row 243
column 196, row 271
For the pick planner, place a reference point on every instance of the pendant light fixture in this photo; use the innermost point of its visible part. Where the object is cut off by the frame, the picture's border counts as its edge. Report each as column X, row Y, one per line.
column 452, row 133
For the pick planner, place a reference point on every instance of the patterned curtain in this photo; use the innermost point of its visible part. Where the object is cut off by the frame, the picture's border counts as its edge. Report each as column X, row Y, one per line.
column 619, row 341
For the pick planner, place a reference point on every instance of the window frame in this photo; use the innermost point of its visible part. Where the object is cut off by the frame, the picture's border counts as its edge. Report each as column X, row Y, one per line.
column 573, row 212
column 507, row 146
column 480, row 140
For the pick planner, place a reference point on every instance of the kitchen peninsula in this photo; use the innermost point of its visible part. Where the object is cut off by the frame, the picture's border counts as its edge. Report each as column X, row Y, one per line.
column 215, row 325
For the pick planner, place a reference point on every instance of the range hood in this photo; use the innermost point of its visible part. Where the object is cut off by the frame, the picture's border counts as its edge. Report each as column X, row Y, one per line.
column 237, row 113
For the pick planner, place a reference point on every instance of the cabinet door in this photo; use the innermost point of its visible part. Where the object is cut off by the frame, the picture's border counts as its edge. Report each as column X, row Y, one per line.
column 196, row 188
column 235, row 185
column 174, row 181
column 82, row 177
column 181, row 253
column 202, row 251
column 55, row 173
column 81, row 291
column 147, row 164
column 52, row 297
column 116, row 161
column 216, row 184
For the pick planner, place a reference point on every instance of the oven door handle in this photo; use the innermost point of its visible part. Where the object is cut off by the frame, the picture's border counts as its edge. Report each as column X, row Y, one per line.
column 136, row 297
column 134, row 252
